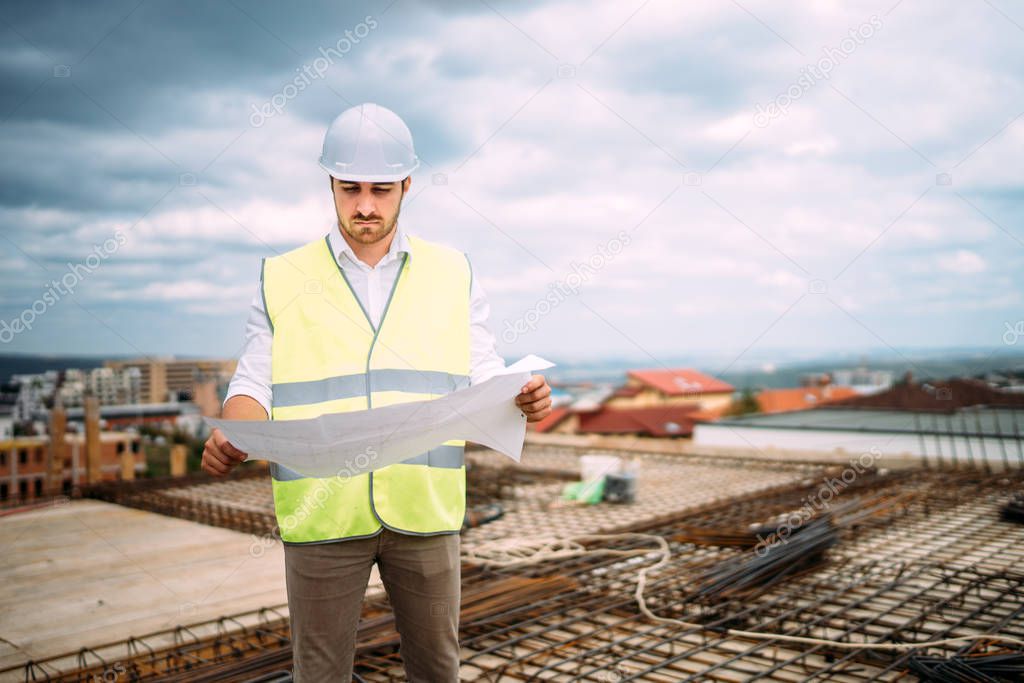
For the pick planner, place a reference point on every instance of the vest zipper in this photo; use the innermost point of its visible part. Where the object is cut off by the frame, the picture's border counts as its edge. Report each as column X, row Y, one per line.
column 373, row 342
column 376, row 332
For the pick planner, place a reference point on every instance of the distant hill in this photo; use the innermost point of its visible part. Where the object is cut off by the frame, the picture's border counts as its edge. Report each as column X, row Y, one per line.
column 18, row 364
column 787, row 372
column 763, row 373
column 923, row 369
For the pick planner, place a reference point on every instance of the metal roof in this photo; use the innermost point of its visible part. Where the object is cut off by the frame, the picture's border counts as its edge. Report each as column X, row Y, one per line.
column 976, row 421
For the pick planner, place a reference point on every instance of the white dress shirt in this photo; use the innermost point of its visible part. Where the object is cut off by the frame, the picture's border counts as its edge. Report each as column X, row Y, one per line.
column 372, row 286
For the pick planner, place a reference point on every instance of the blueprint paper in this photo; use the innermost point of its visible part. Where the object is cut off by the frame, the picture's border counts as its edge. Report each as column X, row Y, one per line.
column 346, row 444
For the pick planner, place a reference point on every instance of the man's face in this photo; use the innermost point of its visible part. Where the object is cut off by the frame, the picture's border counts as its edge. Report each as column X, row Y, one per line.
column 367, row 212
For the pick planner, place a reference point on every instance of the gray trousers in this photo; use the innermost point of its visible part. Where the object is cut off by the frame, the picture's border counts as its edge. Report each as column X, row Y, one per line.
column 326, row 583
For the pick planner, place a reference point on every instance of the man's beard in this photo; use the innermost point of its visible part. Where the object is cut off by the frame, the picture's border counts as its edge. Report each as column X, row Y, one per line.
column 370, row 233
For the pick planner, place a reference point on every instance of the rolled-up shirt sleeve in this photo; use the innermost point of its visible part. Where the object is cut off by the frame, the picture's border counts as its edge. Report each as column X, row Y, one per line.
column 252, row 376
column 484, row 358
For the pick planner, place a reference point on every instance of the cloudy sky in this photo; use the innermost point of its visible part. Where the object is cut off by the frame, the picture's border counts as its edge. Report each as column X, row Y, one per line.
column 643, row 179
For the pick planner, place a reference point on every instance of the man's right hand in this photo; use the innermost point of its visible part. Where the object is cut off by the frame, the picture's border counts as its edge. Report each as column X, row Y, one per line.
column 219, row 456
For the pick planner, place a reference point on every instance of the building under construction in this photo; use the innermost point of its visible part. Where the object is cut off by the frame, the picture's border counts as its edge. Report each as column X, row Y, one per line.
column 755, row 567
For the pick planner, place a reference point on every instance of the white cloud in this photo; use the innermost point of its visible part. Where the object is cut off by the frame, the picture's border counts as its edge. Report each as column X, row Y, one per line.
column 812, row 147
column 558, row 171
column 962, row 261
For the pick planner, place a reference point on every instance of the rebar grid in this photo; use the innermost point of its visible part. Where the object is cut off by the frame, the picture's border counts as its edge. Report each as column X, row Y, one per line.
column 871, row 590
column 919, row 556
column 249, row 641
column 243, row 503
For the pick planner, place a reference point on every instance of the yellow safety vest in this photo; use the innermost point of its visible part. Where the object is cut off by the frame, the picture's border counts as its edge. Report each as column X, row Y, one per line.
column 327, row 358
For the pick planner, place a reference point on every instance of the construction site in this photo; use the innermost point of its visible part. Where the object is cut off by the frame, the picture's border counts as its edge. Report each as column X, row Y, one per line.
column 754, row 565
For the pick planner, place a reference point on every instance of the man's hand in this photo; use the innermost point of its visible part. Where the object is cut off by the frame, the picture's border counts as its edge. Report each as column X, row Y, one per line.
column 219, row 456
column 534, row 399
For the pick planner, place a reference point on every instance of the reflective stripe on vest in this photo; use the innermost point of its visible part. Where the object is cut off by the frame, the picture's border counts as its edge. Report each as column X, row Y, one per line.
column 327, row 357
column 349, row 386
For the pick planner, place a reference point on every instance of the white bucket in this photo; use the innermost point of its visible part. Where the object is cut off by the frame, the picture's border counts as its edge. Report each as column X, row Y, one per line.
column 594, row 467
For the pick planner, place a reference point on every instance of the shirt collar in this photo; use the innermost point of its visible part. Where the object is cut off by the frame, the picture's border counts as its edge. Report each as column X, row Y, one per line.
column 399, row 244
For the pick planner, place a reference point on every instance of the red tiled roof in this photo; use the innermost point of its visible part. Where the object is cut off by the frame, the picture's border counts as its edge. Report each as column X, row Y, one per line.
column 681, row 381
column 651, row 421
column 801, row 398
column 549, row 422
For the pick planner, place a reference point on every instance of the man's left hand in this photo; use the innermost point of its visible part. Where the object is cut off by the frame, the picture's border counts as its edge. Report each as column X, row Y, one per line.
column 534, row 399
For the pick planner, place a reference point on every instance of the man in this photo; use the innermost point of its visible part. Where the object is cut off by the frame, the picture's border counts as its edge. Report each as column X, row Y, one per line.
column 367, row 316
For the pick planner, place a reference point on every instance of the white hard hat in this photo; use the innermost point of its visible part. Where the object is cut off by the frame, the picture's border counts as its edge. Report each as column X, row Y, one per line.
column 368, row 143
